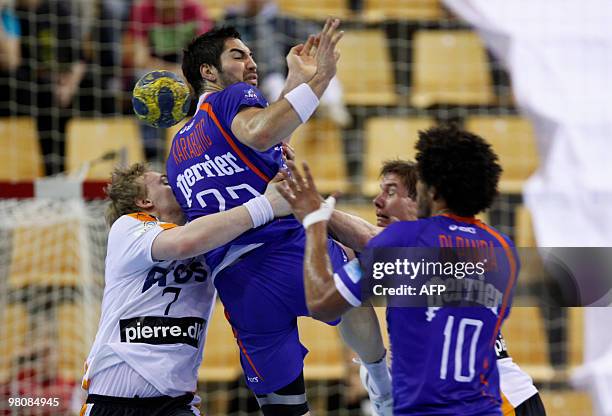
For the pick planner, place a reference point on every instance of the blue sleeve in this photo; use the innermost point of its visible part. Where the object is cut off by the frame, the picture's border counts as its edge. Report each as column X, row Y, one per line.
column 10, row 23
column 348, row 282
column 234, row 98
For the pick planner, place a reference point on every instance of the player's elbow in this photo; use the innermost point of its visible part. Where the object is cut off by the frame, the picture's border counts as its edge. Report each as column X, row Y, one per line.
column 259, row 139
column 323, row 309
column 186, row 248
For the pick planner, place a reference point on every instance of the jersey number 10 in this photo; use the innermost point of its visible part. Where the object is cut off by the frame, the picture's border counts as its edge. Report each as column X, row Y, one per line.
column 459, row 350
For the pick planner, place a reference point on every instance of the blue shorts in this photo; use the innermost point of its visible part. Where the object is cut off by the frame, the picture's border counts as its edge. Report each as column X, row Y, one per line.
column 263, row 294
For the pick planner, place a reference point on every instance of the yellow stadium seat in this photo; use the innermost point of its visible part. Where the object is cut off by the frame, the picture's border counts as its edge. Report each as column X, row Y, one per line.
column 46, row 255
column 324, row 360
column 13, row 336
column 450, row 67
column 532, row 267
column 73, row 342
column 525, row 337
column 388, row 138
column 215, row 9
column 221, row 356
column 319, row 143
column 87, row 140
column 20, row 159
column 315, row 9
column 365, row 211
column 576, row 336
column 513, row 140
column 375, row 10
column 567, row 403
column 365, row 68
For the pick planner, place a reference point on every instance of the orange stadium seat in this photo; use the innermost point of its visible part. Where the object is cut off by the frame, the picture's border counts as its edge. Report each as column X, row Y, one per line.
column 388, row 138
column 73, row 339
column 576, row 336
column 13, row 336
column 567, row 403
column 87, row 140
column 514, row 141
column 450, row 67
column 368, row 82
column 315, row 9
column 319, row 143
column 527, row 344
column 46, row 254
column 20, row 159
column 221, row 355
column 215, row 9
column 325, row 360
column 375, row 10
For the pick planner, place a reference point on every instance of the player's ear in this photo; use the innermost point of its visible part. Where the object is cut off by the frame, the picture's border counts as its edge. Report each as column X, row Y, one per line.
column 144, row 203
column 208, row 72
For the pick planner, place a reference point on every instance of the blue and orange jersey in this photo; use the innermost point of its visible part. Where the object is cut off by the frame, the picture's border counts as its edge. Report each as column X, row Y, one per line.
column 210, row 170
column 444, row 359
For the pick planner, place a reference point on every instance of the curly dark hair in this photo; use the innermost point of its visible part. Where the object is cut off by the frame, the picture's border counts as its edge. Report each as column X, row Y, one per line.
column 461, row 166
column 205, row 49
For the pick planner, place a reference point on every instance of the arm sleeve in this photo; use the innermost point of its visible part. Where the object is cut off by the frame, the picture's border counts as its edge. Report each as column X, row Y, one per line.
column 348, row 282
column 129, row 244
column 234, row 98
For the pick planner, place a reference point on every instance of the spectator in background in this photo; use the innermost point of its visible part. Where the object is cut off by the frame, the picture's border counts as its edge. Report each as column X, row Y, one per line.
column 157, row 32
column 270, row 36
column 9, row 53
column 50, row 73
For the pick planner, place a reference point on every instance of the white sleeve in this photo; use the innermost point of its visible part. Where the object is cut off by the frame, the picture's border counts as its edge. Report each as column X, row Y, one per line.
column 129, row 245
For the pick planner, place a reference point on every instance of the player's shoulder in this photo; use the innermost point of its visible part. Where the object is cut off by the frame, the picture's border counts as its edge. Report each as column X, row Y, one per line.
column 135, row 225
column 398, row 234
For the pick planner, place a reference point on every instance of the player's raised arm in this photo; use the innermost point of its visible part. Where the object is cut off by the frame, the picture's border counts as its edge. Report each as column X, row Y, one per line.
column 322, row 297
column 352, row 231
column 263, row 128
column 212, row 231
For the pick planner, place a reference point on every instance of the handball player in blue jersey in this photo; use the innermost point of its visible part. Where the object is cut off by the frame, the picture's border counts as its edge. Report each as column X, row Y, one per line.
column 225, row 156
column 443, row 357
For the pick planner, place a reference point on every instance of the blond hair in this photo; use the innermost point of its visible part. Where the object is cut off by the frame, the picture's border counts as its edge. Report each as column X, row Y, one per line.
column 123, row 191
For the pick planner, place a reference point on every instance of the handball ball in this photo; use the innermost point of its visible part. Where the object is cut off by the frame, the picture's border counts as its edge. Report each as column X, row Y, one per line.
column 161, row 99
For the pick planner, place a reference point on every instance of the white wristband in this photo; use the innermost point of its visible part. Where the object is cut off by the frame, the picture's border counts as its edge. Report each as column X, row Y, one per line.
column 324, row 213
column 260, row 210
column 303, row 100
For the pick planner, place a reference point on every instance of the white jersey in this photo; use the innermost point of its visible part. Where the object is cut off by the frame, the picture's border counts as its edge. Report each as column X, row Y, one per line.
column 516, row 385
column 154, row 313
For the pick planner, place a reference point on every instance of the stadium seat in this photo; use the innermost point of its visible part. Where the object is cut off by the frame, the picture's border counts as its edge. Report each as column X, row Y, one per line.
column 375, row 10
column 388, row 138
column 319, row 143
column 362, row 210
column 88, row 140
column 20, row 159
column 215, row 9
column 315, row 9
column 221, row 356
column 13, row 336
column 46, row 255
column 514, row 141
column 526, row 341
column 567, row 403
column 75, row 334
column 576, row 336
column 450, row 67
column 325, row 359
column 373, row 84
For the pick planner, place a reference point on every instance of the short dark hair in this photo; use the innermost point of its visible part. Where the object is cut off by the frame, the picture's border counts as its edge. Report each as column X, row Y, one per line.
column 205, row 49
column 407, row 172
column 461, row 166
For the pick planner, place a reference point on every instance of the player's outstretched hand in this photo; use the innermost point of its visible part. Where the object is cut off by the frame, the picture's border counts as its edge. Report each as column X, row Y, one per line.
column 326, row 54
column 280, row 206
column 301, row 62
column 300, row 191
